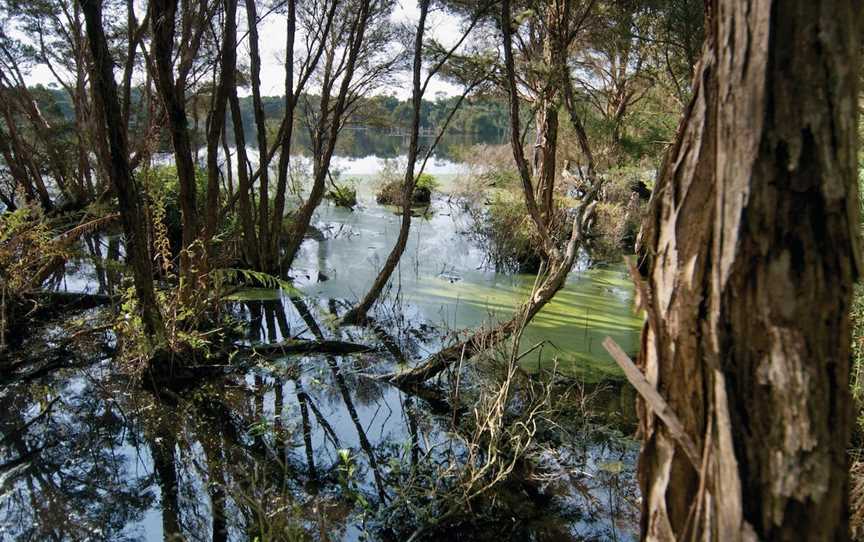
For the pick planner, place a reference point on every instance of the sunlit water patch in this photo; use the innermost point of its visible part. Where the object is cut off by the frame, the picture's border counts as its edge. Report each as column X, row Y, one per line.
column 444, row 278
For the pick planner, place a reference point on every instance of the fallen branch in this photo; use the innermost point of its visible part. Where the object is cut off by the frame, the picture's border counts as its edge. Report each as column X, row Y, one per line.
column 550, row 280
column 309, row 347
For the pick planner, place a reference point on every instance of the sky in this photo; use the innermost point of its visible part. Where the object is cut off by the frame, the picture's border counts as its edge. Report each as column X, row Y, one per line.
column 440, row 26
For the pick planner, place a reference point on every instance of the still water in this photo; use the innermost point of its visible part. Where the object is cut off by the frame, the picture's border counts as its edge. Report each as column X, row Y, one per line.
column 315, row 447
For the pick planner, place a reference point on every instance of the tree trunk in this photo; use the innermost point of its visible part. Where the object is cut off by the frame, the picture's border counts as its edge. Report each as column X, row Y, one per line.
column 290, row 105
column 358, row 313
column 173, row 99
column 247, row 223
column 748, row 256
column 216, row 119
column 137, row 250
column 328, row 128
column 557, row 262
column 261, row 133
column 545, row 151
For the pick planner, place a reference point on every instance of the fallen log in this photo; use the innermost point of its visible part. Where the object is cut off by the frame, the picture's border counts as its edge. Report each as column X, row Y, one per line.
column 550, row 279
column 295, row 347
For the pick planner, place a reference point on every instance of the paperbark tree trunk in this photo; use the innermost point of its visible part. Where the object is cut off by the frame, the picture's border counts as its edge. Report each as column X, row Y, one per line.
column 358, row 313
column 137, row 251
column 172, row 93
column 747, row 260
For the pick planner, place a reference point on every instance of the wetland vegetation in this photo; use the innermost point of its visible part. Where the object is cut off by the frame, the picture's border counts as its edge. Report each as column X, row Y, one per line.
column 349, row 270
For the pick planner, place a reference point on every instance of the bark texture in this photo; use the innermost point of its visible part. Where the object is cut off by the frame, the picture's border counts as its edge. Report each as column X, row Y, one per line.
column 358, row 313
column 747, row 261
column 137, row 249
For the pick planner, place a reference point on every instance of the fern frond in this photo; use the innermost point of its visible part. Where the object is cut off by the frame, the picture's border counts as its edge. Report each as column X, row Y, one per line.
column 249, row 277
column 87, row 227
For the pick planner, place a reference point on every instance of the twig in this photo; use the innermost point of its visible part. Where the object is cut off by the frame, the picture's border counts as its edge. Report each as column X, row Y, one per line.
column 655, row 401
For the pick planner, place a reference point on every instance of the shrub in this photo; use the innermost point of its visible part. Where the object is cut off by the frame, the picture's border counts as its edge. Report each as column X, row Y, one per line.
column 390, row 186
column 29, row 252
column 486, row 167
column 163, row 189
column 509, row 235
column 343, row 196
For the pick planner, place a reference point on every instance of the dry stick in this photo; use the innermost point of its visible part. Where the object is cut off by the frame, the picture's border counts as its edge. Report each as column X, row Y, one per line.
column 655, row 401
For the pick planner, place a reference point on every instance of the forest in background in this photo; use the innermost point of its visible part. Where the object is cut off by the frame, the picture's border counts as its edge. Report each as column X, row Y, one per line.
column 718, row 144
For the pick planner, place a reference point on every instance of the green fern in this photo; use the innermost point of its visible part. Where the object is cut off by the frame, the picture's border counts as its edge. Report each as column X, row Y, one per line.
column 249, row 277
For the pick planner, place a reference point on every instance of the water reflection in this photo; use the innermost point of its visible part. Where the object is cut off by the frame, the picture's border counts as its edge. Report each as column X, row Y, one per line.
column 315, row 447
column 297, row 448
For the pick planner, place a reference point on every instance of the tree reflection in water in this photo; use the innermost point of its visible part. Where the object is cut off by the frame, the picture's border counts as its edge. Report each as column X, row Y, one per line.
column 291, row 449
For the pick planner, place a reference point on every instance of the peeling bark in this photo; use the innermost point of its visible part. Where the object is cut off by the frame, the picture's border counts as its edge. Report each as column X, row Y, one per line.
column 747, row 260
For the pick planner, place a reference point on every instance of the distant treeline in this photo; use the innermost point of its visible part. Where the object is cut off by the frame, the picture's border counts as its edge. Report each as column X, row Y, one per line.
column 484, row 119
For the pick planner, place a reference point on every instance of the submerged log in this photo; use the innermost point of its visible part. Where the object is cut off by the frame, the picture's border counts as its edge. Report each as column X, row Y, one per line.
column 294, row 347
column 183, row 370
column 22, row 312
column 70, row 300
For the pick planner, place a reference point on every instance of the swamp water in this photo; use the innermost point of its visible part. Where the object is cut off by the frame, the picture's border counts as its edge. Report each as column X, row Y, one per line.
column 314, row 447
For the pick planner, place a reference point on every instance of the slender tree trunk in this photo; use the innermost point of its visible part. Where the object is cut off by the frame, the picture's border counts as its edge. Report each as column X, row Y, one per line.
column 330, row 124
column 162, row 19
column 216, row 119
column 19, row 173
column 247, row 223
column 358, row 313
column 546, row 137
column 137, row 251
column 285, row 145
column 558, row 260
column 28, row 169
column 545, row 151
column 748, row 256
column 261, row 131
column 229, row 165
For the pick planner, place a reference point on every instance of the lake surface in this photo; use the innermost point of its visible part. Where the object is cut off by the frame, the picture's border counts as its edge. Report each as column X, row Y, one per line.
column 444, row 279
column 316, row 447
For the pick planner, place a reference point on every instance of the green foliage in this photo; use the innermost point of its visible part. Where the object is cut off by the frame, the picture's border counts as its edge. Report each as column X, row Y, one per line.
column 861, row 184
column 508, row 234
column 619, row 215
column 857, row 317
column 857, row 379
column 390, row 185
column 247, row 277
column 343, row 195
column 348, row 478
column 27, row 246
column 162, row 186
column 427, row 182
column 487, row 167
